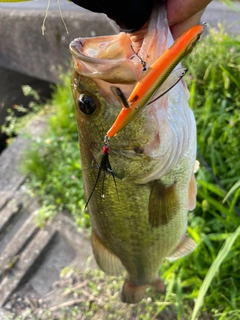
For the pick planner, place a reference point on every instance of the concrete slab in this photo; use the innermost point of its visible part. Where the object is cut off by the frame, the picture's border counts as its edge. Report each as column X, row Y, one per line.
column 10, row 176
column 33, row 257
column 24, row 48
column 24, row 264
column 18, row 235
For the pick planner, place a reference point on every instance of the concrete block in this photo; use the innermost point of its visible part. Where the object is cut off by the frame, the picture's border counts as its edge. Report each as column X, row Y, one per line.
column 24, row 48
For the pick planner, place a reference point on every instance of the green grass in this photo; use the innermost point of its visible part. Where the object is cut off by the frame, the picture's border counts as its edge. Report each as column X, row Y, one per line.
column 214, row 82
column 53, row 162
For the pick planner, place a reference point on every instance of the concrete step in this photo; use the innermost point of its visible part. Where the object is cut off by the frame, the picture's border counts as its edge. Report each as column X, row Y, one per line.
column 21, row 237
column 18, row 259
column 37, row 256
column 31, row 258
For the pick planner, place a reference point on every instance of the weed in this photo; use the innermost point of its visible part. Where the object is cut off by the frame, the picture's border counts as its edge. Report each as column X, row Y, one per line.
column 14, row 125
column 53, row 162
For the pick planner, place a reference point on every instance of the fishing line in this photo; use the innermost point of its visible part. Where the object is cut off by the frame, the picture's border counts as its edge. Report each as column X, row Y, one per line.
column 60, row 11
column 104, row 168
column 144, row 64
column 46, row 14
column 167, row 90
column 45, row 18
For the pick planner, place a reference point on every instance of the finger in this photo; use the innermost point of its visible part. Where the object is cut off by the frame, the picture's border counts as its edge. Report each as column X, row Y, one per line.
column 180, row 27
column 138, row 36
column 181, row 10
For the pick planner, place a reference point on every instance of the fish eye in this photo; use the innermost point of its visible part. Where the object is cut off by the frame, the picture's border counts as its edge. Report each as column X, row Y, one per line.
column 138, row 149
column 86, row 104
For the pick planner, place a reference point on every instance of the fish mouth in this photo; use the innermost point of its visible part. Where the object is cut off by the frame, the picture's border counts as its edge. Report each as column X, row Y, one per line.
column 77, row 49
column 104, row 58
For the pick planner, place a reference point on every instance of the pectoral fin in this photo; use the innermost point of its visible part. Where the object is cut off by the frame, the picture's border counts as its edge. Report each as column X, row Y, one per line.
column 192, row 188
column 163, row 204
column 185, row 246
column 192, row 193
column 106, row 260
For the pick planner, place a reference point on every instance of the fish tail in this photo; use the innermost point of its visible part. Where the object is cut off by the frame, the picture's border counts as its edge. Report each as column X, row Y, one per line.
column 132, row 293
column 159, row 285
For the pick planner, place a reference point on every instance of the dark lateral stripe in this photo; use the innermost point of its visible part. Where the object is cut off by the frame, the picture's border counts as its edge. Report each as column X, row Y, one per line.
column 163, row 204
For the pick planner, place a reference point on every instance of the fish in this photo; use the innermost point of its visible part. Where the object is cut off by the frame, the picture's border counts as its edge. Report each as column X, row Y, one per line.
column 140, row 218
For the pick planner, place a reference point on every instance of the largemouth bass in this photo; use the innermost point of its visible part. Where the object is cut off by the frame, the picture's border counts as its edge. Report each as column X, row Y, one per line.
column 143, row 218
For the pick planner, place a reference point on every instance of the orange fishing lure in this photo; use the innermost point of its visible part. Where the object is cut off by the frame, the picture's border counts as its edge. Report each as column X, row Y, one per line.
column 154, row 77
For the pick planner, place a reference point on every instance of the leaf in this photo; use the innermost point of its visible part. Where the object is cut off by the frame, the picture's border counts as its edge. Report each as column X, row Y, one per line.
column 8, row 1
column 211, row 187
column 233, row 189
column 213, row 271
column 231, row 76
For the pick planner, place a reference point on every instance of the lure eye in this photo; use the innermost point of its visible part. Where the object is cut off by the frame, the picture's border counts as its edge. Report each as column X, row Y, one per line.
column 87, row 104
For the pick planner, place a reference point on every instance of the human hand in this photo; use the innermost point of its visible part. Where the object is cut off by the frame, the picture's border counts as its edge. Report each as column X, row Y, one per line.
column 182, row 15
column 130, row 15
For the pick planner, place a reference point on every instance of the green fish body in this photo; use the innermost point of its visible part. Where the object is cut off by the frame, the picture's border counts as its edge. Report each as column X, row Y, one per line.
column 142, row 219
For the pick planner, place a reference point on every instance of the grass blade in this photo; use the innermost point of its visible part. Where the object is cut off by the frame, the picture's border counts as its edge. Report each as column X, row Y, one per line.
column 213, row 271
column 231, row 76
column 233, row 189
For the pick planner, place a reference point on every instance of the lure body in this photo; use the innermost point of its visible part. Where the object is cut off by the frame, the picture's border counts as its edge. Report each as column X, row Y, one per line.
column 155, row 77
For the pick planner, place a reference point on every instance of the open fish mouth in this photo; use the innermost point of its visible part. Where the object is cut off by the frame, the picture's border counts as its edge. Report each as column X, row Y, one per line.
column 102, row 58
